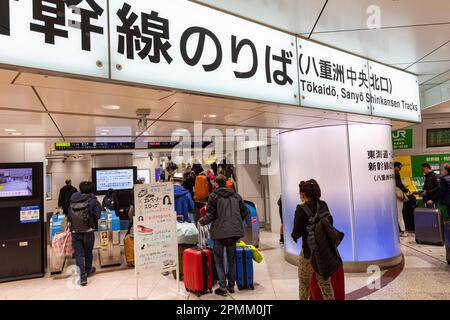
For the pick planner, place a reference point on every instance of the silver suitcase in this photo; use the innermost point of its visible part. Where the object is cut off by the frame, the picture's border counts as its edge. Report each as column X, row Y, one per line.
column 429, row 228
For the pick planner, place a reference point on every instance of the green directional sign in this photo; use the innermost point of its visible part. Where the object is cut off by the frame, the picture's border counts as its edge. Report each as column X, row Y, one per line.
column 402, row 139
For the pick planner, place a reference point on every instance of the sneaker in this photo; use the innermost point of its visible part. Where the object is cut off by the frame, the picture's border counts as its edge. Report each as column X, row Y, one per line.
column 165, row 273
column 403, row 234
column 83, row 282
column 231, row 290
column 91, row 272
column 220, row 292
column 144, row 230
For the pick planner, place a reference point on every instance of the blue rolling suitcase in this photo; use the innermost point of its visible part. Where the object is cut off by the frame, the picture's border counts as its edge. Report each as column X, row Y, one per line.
column 244, row 268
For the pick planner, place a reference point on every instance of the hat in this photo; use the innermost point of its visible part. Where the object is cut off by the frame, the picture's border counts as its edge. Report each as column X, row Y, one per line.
column 178, row 176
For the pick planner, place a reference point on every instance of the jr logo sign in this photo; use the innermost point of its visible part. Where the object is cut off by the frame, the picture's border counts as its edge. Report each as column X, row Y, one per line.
column 402, row 139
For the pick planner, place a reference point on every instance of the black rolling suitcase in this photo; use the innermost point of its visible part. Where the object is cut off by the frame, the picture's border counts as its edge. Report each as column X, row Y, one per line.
column 429, row 229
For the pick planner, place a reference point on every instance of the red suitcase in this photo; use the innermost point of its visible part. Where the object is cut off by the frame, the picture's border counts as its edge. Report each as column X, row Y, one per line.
column 197, row 270
column 198, row 266
column 337, row 281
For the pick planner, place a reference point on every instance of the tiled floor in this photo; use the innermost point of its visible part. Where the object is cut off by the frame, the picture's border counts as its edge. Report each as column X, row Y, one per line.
column 425, row 276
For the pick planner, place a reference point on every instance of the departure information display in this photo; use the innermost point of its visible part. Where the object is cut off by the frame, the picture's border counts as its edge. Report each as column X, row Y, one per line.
column 80, row 146
column 438, row 138
column 72, row 146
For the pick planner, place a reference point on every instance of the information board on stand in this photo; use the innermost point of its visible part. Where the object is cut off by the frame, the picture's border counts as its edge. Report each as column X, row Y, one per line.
column 155, row 230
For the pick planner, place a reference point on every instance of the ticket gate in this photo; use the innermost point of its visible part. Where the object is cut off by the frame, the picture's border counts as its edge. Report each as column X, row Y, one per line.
column 58, row 224
column 109, row 238
column 251, row 225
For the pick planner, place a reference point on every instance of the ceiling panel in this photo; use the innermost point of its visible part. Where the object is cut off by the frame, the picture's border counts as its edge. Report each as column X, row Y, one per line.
column 7, row 76
column 72, row 125
column 271, row 120
column 21, row 97
column 90, row 86
column 351, row 14
column 26, row 124
column 215, row 101
column 442, row 53
column 209, row 114
column 295, row 16
column 390, row 46
column 429, row 67
column 93, row 103
column 425, row 77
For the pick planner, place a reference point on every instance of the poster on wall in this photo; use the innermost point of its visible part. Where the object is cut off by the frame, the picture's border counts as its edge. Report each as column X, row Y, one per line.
column 208, row 50
column 64, row 36
column 155, row 233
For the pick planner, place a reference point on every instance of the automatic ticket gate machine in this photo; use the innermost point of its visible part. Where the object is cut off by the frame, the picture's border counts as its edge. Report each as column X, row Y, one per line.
column 58, row 224
column 109, row 235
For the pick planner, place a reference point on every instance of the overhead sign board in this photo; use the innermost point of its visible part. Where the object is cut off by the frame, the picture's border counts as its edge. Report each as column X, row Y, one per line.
column 332, row 79
column 64, row 36
column 394, row 94
column 180, row 44
column 183, row 45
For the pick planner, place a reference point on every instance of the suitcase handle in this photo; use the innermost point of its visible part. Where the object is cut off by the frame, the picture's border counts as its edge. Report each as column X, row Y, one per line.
column 201, row 236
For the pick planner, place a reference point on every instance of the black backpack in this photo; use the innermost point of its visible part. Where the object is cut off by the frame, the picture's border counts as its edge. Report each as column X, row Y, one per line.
column 81, row 217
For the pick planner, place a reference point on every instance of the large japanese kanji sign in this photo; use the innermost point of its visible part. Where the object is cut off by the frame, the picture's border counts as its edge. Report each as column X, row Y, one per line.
column 180, row 44
column 60, row 35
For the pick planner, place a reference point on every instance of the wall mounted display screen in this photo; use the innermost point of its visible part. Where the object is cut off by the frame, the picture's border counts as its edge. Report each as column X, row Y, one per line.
column 16, row 182
column 438, row 138
column 114, row 178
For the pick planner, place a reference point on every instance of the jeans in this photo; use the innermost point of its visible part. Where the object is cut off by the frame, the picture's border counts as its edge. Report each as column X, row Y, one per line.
column 83, row 244
column 226, row 268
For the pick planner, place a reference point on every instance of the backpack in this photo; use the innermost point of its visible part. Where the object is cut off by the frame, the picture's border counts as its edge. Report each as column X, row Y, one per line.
column 81, row 217
column 201, row 187
column 323, row 239
column 323, row 217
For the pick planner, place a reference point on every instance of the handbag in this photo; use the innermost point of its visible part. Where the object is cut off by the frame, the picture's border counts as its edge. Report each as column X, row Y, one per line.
column 401, row 196
column 62, row 243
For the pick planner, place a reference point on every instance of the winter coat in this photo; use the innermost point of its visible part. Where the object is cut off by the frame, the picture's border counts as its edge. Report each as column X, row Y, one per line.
column 225, row 212
column 444, row 191
column 65, row 194
column 431, row 185
column 183, row 202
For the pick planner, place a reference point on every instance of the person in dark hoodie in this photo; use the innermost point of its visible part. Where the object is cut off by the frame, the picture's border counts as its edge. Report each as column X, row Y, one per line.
column 225, row 211
column 84, row 212
column 183, row 199
column 64, row 196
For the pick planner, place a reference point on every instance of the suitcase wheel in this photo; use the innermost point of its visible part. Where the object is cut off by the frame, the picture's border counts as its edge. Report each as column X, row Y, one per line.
column 252, row 287
column 198, row 294
column 210, row 290
column 240, row 288
column 417, row 241
column 448, row 262
column 440, row 244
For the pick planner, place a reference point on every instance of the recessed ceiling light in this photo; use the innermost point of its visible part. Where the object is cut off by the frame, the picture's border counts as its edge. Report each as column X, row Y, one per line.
column 210, row 115
column 104, row 133
column 111, row 107
column 10, row 130
column 16, row 133
column 105, row 130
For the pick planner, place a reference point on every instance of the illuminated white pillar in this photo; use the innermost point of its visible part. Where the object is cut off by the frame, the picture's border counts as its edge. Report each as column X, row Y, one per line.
column 363, row 205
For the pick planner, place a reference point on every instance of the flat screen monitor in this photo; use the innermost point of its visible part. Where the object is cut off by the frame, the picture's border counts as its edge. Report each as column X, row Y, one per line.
column 16, row 182
column 113, row 178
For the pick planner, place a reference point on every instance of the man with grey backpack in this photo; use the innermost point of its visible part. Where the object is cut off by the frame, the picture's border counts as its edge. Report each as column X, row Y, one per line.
column 84, row 212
